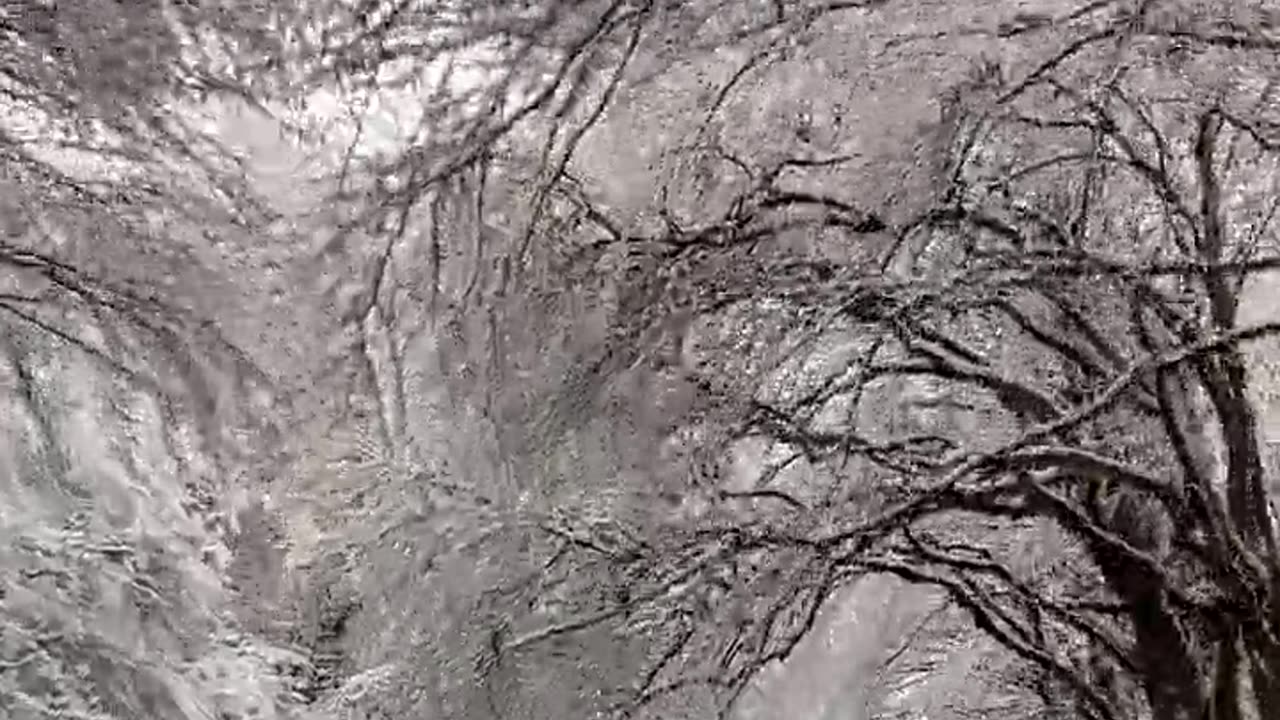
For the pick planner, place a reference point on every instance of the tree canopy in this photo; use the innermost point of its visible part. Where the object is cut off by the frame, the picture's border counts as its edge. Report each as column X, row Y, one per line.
column 655, row 332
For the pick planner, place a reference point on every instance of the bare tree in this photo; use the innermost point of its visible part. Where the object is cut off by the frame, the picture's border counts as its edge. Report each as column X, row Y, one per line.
column 1067, row 306
column 1051, row 345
